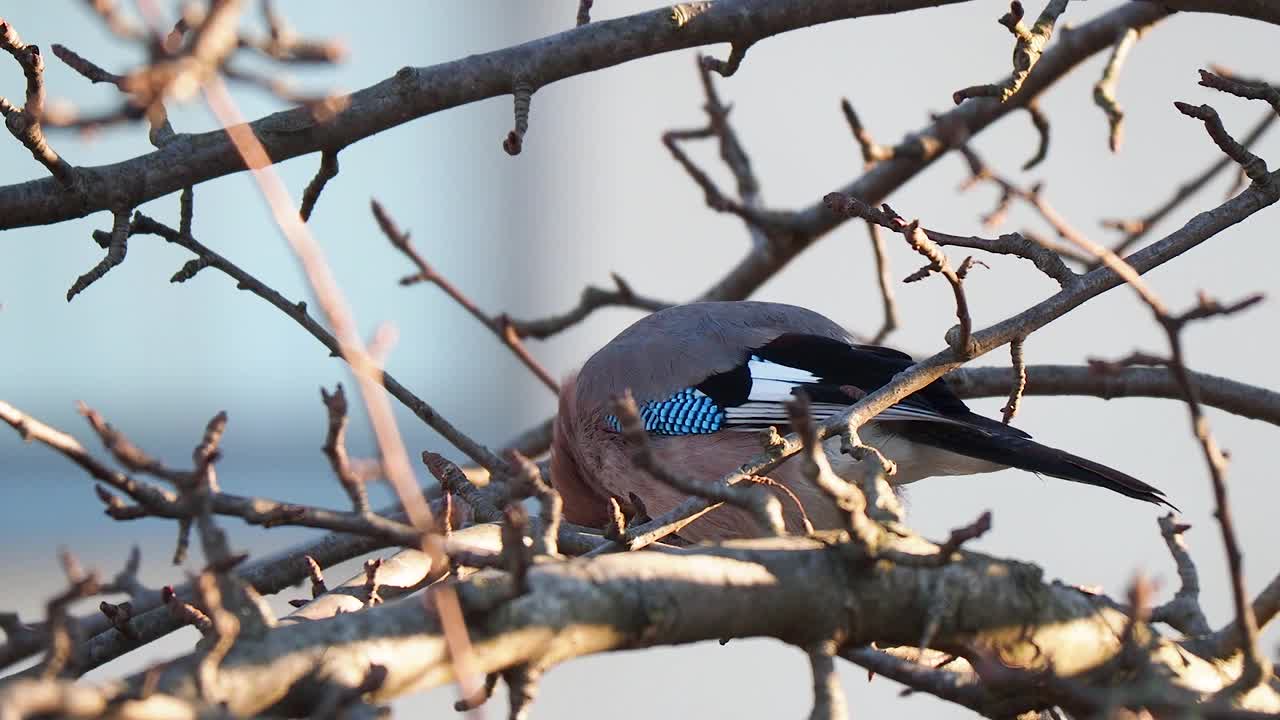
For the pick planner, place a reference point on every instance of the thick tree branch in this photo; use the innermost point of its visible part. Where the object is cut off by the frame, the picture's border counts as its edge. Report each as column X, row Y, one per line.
column 416, row 92
column 1238, row 398
column 797, row 590
column 1263, row 10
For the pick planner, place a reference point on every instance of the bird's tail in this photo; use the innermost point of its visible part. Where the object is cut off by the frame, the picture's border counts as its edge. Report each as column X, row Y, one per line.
column 1026, row 454
column 1034, row 457
column 1008, row 446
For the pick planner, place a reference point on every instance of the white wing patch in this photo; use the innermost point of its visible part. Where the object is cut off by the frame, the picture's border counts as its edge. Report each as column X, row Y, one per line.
column 772, row 385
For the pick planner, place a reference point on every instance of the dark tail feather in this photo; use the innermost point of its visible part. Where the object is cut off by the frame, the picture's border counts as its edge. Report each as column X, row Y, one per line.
column 1009, row 446
column 1030, row 455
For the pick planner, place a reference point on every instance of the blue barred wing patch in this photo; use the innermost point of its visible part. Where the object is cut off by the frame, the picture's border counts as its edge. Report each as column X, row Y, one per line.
column 688, row 412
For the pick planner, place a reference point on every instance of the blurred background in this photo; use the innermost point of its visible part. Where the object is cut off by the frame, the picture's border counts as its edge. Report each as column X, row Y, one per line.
column 593, row 192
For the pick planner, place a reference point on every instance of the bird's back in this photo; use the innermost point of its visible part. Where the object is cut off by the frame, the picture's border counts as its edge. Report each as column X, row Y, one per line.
column 681, row 346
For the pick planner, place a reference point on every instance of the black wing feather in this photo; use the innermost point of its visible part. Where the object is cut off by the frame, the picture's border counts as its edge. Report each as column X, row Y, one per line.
column 944, row 421
column 866, row 367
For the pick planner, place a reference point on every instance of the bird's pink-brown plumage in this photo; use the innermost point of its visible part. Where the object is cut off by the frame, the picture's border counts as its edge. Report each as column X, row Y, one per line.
column 655, row 357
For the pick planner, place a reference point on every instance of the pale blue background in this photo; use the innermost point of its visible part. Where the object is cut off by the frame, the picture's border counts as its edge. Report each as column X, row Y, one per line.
column 595, row 191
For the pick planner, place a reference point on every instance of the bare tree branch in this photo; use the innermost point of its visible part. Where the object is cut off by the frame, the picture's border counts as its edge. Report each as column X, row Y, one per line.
column 24, row 122
column 1234, row 397
column 1104, row 91
column 298, row 312
column 416, row 92
column 1026, row 52
column 948, row 131
column 609, row 602
column 1256, row 9
column 499, row 326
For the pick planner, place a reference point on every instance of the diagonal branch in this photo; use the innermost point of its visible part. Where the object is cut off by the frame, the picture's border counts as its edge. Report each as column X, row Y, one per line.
column 1199, row 229
column 499, row 326
column 946, row 132
column 1136, row 230
column 298, row 313
column 117, row 246
column 1254, row 166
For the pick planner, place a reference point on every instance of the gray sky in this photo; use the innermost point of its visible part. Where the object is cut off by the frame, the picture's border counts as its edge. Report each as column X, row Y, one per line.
column 594, row 192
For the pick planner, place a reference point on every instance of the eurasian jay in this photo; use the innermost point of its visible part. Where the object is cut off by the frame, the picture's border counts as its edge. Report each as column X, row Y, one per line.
column 703, row 373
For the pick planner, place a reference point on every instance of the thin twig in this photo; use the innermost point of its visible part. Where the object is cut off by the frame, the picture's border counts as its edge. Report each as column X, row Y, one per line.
column 298, row 312
column 726, row 68
column 1135, row 230
column 592, row 299
column 1045, row 260
column 1040, row 121
column 1253, row 166
column 335, row 448
column 61, row 642
column 817, row 468
column 528, row 482
column 1183, row 611
column 1104, row 91
column 327, row 171
column 873, row 152
column 924, row 243
column 1033, row 196
column 116, row 249
column 584, row 12
column 885, row 282
column 521, row 97
column 24, row 122
column 1250, row 90
column 499, row 325
column 1030, row 45
column 828, row 696
column 1020, row 382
